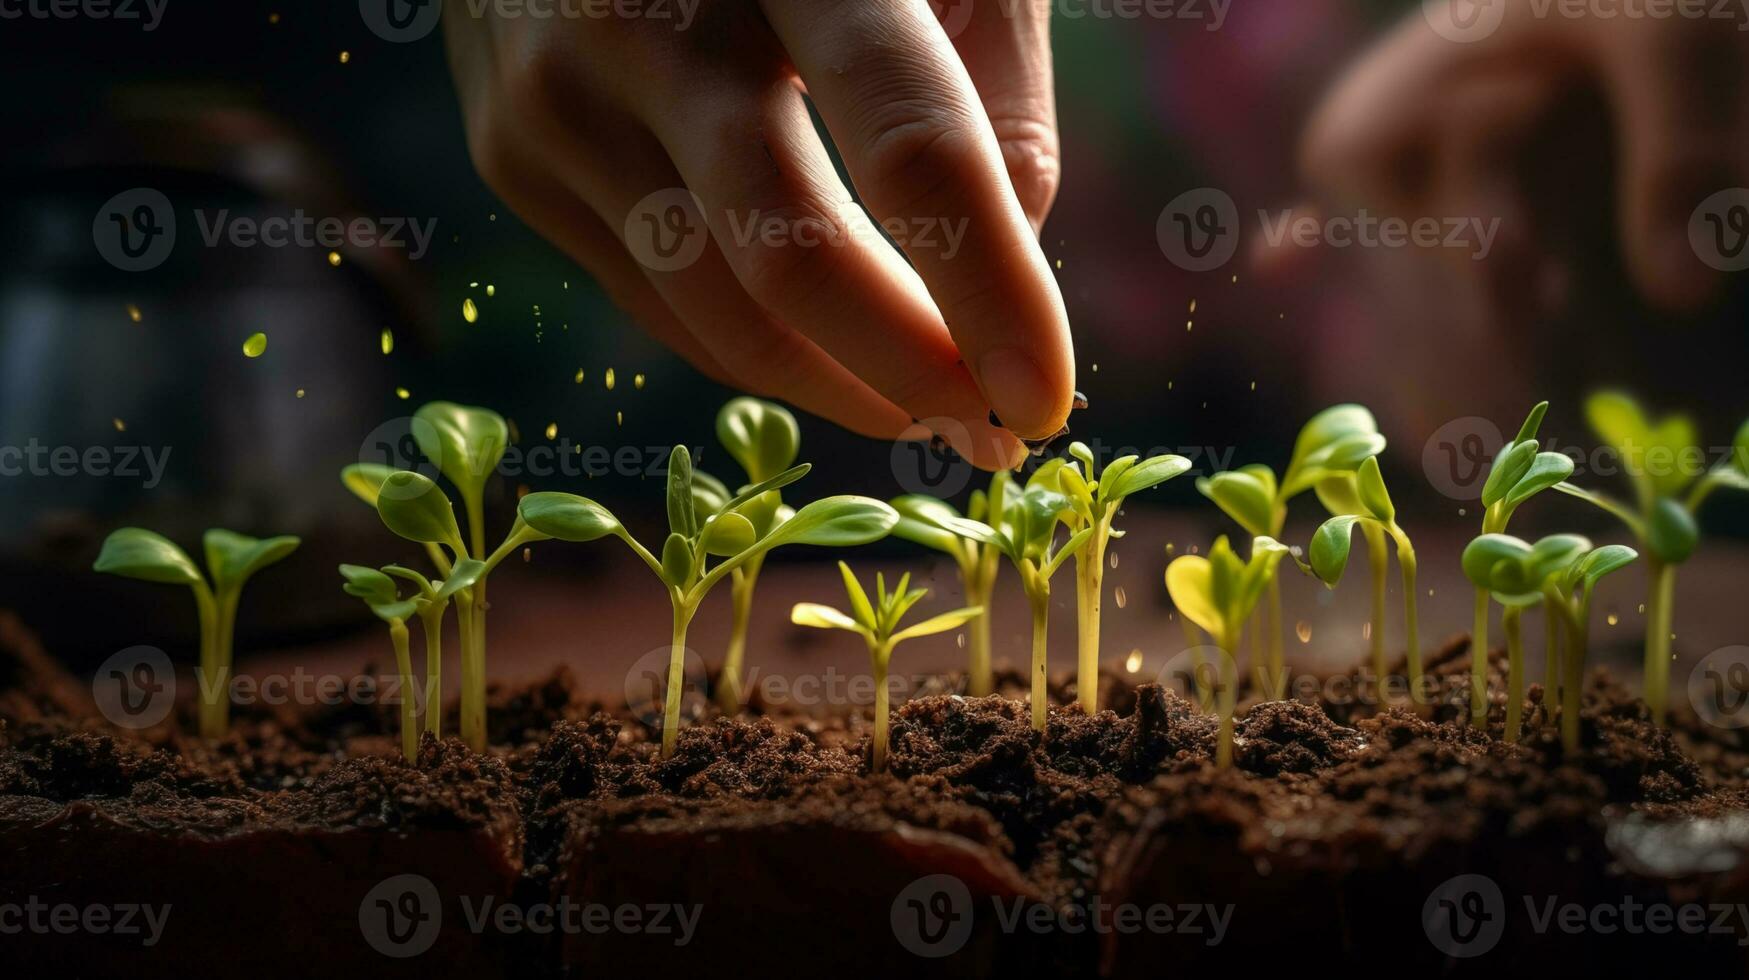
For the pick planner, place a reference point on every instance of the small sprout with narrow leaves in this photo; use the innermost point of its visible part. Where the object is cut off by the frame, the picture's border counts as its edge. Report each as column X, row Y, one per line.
column 683, row 563
column 1668, row 495
column 466, row 445
column 764, row 440
column 1095, row 497
column 924, row 520
column 1219, row 593
column 1331, row 446
column 1026, row 534
column 231, row 560
column 878, row 624
column 1362, row 500
column 1520, row 471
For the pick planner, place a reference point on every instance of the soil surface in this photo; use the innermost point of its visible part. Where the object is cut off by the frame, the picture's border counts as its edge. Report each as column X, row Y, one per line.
column 1329, row 803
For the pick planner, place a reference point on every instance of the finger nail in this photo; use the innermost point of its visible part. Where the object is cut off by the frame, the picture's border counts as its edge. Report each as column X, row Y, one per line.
column 1018, row 391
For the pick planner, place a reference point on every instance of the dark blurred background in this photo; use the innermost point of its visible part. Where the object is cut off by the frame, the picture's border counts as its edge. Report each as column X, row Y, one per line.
column 261, row 108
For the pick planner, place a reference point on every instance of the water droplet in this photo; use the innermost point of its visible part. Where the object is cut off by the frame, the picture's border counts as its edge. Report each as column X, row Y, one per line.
column 255, row 346
column 403, row 394
column 133, row 313
column 552, row 430
column 470, row 312
column 388, row 340
column 1121, row 597
column 1133, row 663
column 638, row 382
column 608, row 378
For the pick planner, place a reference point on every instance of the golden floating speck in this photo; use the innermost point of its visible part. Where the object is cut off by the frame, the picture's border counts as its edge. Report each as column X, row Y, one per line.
column 1133, row 663
column 1121, row 597
column 552, row 430
column 470, row 312
column 474, row 285
column 403, row 394
column 1253, row 386
column 1613, row 619
column 1059, row 263
column 619, row 418
column 527, row 555
column 1113, row 559
column 1366, row 631
column 388, row 340
column 1303, row 630
column 120, row 426
column 1642, row 609
column 333, row 258
column 491, row 290
column 522, row 490
column 491, row 216
column 345, row 56
column 300, row 392
column 1193, row 306
column 133, row 313
column 1096, row 367
column 256, row 345
column 579, row 378
column 273, row 18
column 608, row 379
column 638, row 382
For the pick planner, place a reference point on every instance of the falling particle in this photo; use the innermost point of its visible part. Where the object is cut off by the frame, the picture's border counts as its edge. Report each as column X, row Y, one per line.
column 345, row 56
column 1170, row 547
column 1429, row 593
column 527, row 555
column 120, row 426
column 1168, row 386
column 1614, row 619
column 1059, row 263
column 1366, row 631
column 1189, row 325
column 515, row 432
column 638, row 382
column 1133, row 663
column 1303, row 630
column 1253, row 386
column 1096, row 367
column 1235, row 279
column 960, row 641
column 1193, row 306
column 1114, row 559
column 609, row 379
column 133, row 313
column 1463, row 511
column 403, row 394
column 470, row 312
column 521, row 490
column 1642, row 609
column 491, row 290
column 491, row 216
column 333, row 258
column 474, row 285
column 552, row 430
column 273, row 18
column 388, row 340
column 579, row 376
column 1121, row 597
column 300, row 392
column 255, row 346
column 566, row 284
column 619, row 418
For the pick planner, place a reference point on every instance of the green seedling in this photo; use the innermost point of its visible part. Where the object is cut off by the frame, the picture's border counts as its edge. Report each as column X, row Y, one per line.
column 764, row 439
column 1095, row 497
column 683, row 565
column 231, row 559
column 1363, row 501
column 1559, row 571
column 1027, row 536
column 1517, row 473
column 1219, row 593
column 1333, row 444
column 1662, row 460
column 466, row 445
column 923, row 520
column 878, row 624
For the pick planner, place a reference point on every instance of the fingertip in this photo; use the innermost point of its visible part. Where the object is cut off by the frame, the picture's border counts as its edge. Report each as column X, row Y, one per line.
column 1029, row 401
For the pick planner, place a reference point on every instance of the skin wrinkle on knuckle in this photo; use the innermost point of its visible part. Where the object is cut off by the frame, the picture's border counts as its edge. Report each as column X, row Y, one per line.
column 922, row 169
column 783, row 272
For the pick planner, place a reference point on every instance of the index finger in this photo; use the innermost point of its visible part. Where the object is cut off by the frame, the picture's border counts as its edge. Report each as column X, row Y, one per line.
column 923, row 157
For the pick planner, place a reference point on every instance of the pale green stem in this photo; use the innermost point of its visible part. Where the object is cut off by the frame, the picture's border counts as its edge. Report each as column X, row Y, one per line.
column 741, row 584
column 1574, row 662
column 473, row 686
column 1479, row 662
column 1660, row 612
column 879, row 655
column 1040, row 596
column 214, row 698
column 409, row 707
column 1514, row 671
column 1378, row 563
column 1228, row 694
column 1089, row 595
column 431, row 623
column 1193, row 643
column 1411, row 615
column 1551, row 660
column 982, row 679
column 1277, row 656
column 676, row 680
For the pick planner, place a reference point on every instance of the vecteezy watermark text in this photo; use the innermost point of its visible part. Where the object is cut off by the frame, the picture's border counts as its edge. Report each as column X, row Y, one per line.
column 149, row 13
column 122, row 462
column 37, row 917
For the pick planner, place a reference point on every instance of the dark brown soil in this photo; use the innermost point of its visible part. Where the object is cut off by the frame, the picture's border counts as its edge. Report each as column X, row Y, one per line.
column 1330, row 830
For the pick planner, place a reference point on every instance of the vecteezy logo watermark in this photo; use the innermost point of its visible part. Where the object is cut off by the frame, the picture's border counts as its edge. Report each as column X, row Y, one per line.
column 1465, row 916
column 1199, row 230
column 401, row 916
column 1719, row 229
column 646, row 685
column 933, row 917
column 956, row 15
column 1718, row 687
column 922, row 461
column 37, row 917
column 1464, row 21
column 135, row 688
column 666, row 231
column 122, row 462
column 1456, row 458
column 148, row 12
column 135, row 230
column 400, row 21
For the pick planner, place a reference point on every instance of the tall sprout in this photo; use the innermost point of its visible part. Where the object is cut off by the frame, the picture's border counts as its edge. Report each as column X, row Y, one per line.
column 764, row 440
column 231, row 560
column 1219, row 593
column 924, row 520
column 1095, row 497
column 1663, row 461
column 1334, row 443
